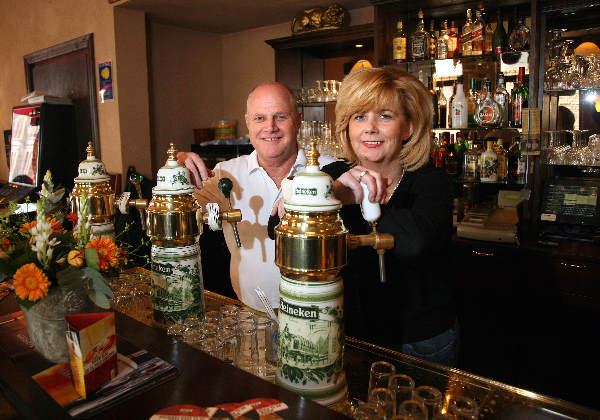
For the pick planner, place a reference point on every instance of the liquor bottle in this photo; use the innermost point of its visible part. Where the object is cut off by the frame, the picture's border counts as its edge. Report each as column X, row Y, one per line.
column 440, row 151
column 489, row 164
column 516, row 163
column 434, row 101
column 442, row 109
column 518, row 38
column 477, row 35
column 519, row 100
column 470, row 161
column 499, row 41
column 451, row 162
column 467, row 46
column 450, row 100
column 472, row 102
column 399, row 43
column 502, row 161
column 459, row 106
column 432, row 42
column 502, row 98
column 488, row 113
column 488, row 47
column 442, row 42
column 453, row 44
column 419, row 40
column 460, row 147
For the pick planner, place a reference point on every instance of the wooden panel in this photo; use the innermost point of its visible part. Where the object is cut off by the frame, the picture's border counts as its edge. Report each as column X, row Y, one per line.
column 67, row 70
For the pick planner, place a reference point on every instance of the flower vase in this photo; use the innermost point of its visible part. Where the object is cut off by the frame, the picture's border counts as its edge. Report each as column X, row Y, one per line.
column 46, row 323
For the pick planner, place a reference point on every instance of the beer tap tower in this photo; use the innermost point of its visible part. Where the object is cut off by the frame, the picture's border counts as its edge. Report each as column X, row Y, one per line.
column 174, row 221
column 311, row 245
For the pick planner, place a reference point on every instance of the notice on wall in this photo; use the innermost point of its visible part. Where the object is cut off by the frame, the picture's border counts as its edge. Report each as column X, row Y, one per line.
column 106, row 81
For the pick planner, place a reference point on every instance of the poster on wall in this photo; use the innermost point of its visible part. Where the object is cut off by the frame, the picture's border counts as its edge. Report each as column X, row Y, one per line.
column 106, row 81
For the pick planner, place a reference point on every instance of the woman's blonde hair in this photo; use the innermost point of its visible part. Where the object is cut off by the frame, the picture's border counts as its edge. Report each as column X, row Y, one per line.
column 387, row 88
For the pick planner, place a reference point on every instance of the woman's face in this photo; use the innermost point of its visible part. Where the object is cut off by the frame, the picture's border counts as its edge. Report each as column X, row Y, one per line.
column 377, row 136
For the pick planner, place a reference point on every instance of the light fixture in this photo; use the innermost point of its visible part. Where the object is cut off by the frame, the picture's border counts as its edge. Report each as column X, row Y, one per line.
column 359, row 45
column 361, row 64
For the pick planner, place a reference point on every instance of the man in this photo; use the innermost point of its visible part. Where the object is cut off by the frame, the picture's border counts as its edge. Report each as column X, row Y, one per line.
column 273, row 120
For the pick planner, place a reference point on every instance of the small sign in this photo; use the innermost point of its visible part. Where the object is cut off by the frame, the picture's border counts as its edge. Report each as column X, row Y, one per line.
column 106, row 81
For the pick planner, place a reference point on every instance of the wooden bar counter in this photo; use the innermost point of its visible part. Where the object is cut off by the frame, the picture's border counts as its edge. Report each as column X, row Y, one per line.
column 205, row 381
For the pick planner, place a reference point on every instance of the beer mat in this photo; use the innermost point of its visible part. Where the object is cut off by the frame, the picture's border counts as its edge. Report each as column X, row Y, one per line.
column 254, row 409
column 5, row 288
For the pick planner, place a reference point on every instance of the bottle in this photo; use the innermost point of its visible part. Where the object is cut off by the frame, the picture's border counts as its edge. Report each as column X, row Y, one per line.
column 453, row 44
column 442, row 42
column 489, row 164
column 451, row 160
column 470, row 161
column 519, row 100
column 450, row 103
column 460, row 147
column 465, row 40
column 432, row 42
column 477, row 35
column 502, row 161
column 472, row 101
column 459, row 106
column 516, row 163
column 488, row 47
column 442, row 109
column 419, row 40
column 499, row 40
column 518, row 38
column 440, row 151
column 512, row 22
column 503, row 100
column 487, row 113
column 399, row 44
column 434, row 101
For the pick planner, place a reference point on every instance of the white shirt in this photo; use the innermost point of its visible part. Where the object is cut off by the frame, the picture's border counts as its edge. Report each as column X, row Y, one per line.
column 255, row 194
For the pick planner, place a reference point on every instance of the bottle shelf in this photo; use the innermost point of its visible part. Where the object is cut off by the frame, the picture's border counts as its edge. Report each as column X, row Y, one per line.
column 456, row 130
column 569, row 92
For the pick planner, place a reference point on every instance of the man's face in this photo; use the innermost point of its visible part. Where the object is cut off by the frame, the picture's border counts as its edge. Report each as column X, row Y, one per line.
column 272, row 123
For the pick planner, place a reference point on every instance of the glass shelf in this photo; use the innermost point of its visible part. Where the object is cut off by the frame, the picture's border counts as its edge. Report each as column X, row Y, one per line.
column 455, row 130
column 569, row 92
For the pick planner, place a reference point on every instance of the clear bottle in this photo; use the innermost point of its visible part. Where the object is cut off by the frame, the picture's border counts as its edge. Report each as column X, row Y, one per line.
column 477, row 34
column 519, row 100
column 434, row 101
column 432, row 42
column 450, row 100
column 503, row 99
column 453, row 44
column 459, row 107
column 489, row 34
column 419, row 40
column 518, row 38
column 470, row 161
column 399, row 43
column 442, row 109
column 467, row 46
column 473, row 101
column 489, row 164
column 499, row 40
column 502, row 161
column 488, row 113
column 442, row 42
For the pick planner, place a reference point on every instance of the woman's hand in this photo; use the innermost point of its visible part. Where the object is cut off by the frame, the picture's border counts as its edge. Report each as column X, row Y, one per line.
column 196, row 166
column 348, row 190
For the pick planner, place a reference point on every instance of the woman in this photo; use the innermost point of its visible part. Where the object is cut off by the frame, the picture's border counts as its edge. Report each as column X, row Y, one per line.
column 383, row 118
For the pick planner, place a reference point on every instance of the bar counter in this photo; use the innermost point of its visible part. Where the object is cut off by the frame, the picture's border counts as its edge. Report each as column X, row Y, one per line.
column 206, row 381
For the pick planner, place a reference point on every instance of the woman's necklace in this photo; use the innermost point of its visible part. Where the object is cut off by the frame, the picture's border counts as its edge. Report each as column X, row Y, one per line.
column 396, row 187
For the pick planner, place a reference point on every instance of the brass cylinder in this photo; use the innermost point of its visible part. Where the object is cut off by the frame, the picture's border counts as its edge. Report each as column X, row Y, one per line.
column 100, row 200
column 311, row 246
column 172, row 220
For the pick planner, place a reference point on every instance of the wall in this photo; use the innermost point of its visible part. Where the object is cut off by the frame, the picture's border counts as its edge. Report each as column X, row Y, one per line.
column 186, row 86
column 31, row 25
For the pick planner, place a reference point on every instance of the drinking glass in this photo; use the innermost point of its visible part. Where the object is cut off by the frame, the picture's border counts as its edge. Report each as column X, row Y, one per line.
column 385, row 399
column 245, row 315
column 192, row 332
column 430, row 396
column 209, row 329
column 379, row 374
column 212, row 346
column 212, row 317
column 413, row 409
column 247, row 357
column 228, row 336
column 402, row 386
column 227, row 311
column 267, row 364
column 368, row 411
column 464, row 408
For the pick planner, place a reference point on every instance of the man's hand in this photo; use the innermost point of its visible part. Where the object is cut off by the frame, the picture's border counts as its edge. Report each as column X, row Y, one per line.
column 196, row 166
column 347, row 187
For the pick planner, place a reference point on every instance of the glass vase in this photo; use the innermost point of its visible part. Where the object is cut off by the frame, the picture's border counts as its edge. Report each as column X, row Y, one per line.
column 46, row 323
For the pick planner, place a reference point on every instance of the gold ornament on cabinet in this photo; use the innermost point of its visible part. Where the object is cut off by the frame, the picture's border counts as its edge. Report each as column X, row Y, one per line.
column 319, row 18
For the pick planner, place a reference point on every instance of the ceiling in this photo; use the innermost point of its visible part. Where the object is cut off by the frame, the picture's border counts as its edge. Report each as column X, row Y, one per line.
column 225, row 16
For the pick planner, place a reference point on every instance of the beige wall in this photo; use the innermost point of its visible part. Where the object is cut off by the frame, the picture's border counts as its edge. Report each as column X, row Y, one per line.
column 187, row 92
column 27, row 26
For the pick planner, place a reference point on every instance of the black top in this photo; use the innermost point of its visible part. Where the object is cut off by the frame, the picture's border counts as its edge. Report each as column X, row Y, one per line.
column 416, row 302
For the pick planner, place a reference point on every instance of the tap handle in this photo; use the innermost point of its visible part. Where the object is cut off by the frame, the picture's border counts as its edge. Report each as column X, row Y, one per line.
column 136, row 180
column 371, row 212
column 225, row 186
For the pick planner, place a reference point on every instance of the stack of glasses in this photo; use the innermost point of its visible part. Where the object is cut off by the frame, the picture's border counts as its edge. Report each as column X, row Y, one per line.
column 319, row 131
column 571, row 147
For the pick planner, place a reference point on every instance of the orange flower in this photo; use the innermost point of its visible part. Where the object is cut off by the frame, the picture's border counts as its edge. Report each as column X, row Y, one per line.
column 72, row 217
column 75, row 257
column 54, row 224
column 108, row 252
column 31, row 282
column 26, row 227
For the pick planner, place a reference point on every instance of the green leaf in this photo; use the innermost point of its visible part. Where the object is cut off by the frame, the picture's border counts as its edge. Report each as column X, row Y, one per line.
column 99, row 299
column 25, row 303
column 91, row 258
column 99, row 283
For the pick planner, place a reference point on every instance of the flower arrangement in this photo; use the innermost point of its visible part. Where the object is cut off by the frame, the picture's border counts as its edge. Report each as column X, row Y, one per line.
column 47, row 252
